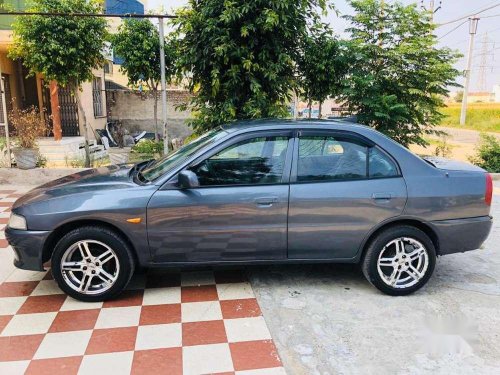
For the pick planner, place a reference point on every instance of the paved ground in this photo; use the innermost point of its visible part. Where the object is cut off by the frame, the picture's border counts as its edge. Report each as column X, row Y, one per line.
column 326, row 319
column 167, row 322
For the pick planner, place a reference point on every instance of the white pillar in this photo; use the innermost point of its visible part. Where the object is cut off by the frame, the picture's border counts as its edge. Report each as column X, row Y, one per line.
column 163, row 86
column 472, row 31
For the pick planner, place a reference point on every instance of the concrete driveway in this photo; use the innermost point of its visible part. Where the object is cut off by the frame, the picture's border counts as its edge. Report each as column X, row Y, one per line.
column 327, row 319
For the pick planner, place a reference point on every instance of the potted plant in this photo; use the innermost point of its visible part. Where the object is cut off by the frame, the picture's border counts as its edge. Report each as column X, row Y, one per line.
column 28, row 125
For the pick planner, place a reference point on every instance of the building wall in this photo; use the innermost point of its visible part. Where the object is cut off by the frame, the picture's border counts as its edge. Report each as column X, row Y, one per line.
column 86, row 96
column 136, row 111
column 480, row 97
column 496, row 93
column 10, row 67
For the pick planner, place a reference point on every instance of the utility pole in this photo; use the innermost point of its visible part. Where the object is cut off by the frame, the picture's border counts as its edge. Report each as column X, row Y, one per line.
column 472, row 31
column 432, row 7
column 163, row 85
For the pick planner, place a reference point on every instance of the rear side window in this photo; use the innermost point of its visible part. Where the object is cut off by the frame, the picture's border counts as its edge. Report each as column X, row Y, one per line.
column 381, row 165
column 328, row 158
column 324, row 158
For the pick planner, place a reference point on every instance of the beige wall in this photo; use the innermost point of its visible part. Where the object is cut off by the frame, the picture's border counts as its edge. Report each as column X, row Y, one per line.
column 10, row 67
column 86, row 98
column 135, row 110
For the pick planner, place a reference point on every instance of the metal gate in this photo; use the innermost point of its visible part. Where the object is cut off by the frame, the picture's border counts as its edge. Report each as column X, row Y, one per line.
column 67, row 107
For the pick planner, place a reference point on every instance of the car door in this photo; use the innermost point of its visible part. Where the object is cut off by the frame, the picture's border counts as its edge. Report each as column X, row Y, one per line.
column 239, row 211
column 342, row 186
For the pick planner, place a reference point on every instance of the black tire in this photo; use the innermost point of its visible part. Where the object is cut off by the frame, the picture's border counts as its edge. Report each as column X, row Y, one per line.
column 369, row 264
column 107, row 237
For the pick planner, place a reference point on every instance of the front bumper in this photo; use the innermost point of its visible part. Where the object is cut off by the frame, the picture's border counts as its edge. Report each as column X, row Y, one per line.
column 28, row 247
column 460, row 235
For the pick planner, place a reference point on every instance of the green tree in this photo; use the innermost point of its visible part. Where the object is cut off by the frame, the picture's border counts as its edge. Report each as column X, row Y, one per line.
column 239, row 56
column 138, row 43
column 398, row 77
column 64, row 49
column 322, row 66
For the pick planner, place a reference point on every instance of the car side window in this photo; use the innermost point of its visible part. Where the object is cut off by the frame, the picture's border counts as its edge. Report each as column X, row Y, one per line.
column 324, row 158
column 381, row 165
column 259, row 160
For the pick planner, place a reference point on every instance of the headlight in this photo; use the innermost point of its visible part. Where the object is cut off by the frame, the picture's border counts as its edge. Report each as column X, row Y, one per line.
column 17, row 222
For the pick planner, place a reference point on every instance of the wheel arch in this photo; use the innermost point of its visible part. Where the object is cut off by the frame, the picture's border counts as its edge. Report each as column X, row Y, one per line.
column 424, row 227
column 60, row 231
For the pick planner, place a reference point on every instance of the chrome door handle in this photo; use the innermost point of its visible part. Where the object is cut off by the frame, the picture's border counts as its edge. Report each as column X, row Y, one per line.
column 382, row 196
column 265, row 201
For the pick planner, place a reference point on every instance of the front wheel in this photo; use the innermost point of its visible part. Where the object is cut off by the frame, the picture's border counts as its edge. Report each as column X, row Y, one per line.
column 400, row 260
column 92, row 264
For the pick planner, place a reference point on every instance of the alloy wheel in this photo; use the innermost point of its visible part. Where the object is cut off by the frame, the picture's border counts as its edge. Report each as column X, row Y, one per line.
column 90, row 267
column 403, row 262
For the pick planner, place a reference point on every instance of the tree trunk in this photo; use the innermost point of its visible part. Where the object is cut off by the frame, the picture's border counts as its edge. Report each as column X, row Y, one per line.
column 320, row 106
column 55, row 111
column 310, row 108
column 85, row 128
column 155, row 113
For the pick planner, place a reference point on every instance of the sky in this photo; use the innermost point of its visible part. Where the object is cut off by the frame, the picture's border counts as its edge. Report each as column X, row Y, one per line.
column 486, row 56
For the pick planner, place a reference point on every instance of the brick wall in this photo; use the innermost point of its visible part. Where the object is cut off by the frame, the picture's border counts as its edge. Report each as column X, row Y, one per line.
column 135, row 111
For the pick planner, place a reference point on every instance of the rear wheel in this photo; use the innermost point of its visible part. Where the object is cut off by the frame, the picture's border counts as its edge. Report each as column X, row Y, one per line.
column 400, row 260
column 92, row 263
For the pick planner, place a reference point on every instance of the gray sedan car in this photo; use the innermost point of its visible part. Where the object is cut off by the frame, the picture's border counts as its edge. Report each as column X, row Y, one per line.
column 252, row 193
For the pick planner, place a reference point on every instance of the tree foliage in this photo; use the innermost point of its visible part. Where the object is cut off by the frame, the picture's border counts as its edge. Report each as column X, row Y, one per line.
column 239, row 56
column 398, row 76
column 64, row 49
column 138, row 43
column 487, row 153
column 322, row 65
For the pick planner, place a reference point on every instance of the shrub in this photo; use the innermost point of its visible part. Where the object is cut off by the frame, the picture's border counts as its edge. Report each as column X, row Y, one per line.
column 148, row 146
column 488, row 154
column 28, row 125
column 443, row 148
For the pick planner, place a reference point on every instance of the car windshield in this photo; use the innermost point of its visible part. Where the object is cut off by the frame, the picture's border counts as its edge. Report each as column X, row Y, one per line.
column 162, row 165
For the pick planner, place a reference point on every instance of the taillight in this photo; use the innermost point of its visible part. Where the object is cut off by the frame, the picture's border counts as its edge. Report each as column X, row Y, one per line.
column 488, row 194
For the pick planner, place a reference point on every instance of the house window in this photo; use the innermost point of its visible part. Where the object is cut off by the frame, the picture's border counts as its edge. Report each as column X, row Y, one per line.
column 108, row 68
column 97, row 96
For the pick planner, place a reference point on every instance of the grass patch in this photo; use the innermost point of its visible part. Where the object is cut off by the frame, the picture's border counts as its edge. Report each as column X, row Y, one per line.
column 483, row 117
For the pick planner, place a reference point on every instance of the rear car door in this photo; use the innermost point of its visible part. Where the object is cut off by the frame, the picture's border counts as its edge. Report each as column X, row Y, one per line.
column 239, row 211
column 342, row 186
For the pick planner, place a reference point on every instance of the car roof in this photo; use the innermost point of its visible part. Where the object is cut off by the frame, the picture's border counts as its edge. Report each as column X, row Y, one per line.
column 333, row 124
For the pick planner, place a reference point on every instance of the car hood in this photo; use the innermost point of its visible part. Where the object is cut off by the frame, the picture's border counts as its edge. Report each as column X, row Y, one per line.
column 98, row 179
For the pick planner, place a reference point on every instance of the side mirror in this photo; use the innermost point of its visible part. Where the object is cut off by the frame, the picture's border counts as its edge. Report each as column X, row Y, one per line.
column 187, row 179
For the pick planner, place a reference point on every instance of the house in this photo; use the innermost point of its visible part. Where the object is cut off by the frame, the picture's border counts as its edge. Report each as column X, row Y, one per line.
column 480, row 97
column 21, row 91
column 496, row 93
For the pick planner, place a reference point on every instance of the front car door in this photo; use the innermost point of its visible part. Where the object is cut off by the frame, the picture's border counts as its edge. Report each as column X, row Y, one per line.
column 238, row 213
column 342, row 186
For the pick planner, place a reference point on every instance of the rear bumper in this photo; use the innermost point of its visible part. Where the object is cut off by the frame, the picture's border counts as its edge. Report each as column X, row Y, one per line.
column 28, row 247
column 460, row 235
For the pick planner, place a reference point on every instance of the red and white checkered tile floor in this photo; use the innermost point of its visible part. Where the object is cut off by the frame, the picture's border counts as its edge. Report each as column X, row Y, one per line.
column 165, row 323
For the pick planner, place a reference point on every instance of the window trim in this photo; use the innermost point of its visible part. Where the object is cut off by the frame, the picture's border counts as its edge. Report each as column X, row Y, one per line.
column 285, row 179
column 348, row 136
